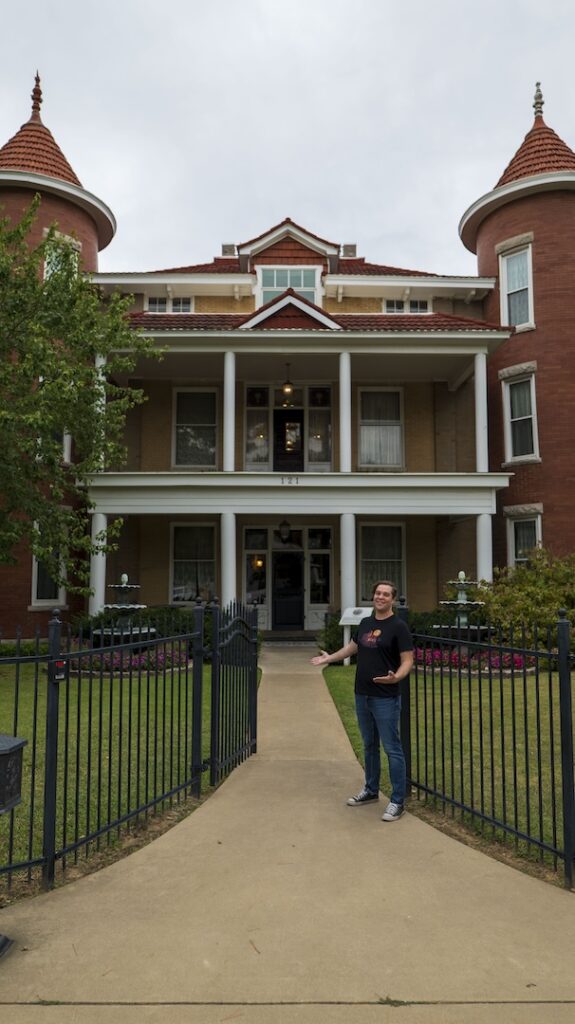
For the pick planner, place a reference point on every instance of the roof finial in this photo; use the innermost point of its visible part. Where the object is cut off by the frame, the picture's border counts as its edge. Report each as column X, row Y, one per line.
column 539, row 101
column 36, row 100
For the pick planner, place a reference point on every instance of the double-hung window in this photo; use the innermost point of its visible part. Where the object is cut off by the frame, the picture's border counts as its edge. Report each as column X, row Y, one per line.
column 45, row 592
column 520, row 419
column 380, row 428
column 195, row 440
column 516, row 288
column 193, row 563
column 523, row 535
column 381, row 557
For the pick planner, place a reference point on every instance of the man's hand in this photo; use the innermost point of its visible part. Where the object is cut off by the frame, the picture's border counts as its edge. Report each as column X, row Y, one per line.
column 389, row 678
column 321, row 659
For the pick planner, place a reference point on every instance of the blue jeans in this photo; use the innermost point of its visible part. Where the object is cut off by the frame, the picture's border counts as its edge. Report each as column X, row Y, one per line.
column 378, row 718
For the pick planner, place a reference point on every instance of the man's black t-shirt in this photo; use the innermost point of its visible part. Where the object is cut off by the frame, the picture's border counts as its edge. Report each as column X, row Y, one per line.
column 380, row 643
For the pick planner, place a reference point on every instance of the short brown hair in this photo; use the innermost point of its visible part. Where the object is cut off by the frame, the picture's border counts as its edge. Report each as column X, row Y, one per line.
column 385, row 583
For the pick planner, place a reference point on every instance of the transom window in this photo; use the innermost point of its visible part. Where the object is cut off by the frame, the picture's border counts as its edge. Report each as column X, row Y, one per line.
column 516, row 288
column 195, row 429
column 521, row 440
column 276, row 280
column 380, row 429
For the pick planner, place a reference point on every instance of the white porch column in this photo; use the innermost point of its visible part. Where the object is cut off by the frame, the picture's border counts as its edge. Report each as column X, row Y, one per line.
column 345, row 413
column 348, row 560
column 481, row 448
column 97, row 567
column 228, row 557
column 229, row 416
column 484, row 548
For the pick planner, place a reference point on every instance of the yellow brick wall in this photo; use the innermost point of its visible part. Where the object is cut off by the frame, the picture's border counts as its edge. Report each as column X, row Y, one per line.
column 352, row 305
column 156, row 427
column 155, row 560
column 455, row 551
column 455, row 429
column 419, row 428
column 421, row 563
column 223, row 304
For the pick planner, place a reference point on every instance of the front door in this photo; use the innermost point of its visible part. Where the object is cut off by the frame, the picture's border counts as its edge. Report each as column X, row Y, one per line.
column 287, row 590
column 288, row 441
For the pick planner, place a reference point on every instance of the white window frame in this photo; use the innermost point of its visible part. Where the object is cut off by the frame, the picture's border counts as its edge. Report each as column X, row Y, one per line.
column 384, row 468
column 37, row 603
column 74, row 243
column 396, row 306
column 189, row 525
column 194, row 465
column 378, row 524
column 529, row 324
column 506, row 385
column 424, row 303
column 169, row 300
column 511, row 521
column 259, row 288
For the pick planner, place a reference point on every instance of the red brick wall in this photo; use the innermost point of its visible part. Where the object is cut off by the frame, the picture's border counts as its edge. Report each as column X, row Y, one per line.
column 550, row 217
column 69, row 219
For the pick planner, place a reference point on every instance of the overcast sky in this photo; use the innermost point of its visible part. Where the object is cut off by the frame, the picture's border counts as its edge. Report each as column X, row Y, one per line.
column 369, row 121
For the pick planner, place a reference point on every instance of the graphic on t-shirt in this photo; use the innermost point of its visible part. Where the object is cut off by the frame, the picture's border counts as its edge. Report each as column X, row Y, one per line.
column 370, row 639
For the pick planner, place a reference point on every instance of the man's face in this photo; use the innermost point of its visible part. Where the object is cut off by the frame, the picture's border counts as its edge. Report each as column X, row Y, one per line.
column 383, row 599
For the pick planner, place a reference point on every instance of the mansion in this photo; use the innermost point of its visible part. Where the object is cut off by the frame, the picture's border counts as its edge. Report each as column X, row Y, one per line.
column 320, row 421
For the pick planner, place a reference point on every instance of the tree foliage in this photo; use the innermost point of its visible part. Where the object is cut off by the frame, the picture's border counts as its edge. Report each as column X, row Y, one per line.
column 62, row 354
column 532, row 592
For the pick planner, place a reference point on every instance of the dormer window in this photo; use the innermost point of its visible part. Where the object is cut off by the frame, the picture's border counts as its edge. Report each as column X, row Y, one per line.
column 418, row 306
column 180, row 305
column 157, row 305
column 394, row 306
column 276, row 280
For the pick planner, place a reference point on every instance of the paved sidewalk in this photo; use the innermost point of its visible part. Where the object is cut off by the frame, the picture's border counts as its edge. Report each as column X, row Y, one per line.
column 275, row 902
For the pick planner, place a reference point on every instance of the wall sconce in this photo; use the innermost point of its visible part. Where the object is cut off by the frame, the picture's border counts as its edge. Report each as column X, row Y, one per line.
column 284, row 530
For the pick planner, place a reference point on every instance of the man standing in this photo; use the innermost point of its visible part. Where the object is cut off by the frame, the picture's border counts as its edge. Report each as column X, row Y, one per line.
column 384, row 651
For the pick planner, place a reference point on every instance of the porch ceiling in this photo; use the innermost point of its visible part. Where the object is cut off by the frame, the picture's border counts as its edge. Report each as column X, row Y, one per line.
column 388, row 367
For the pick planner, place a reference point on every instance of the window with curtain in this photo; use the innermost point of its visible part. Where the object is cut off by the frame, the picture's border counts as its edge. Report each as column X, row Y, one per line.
column 525, row 538
column 380, row 429
column 516, row 299
column 381, row 557
column 520, row 420
column 195, row 443
column 193, row 563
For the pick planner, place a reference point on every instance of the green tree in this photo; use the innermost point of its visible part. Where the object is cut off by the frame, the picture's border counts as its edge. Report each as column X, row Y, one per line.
column 62, row 355
column 533, row 592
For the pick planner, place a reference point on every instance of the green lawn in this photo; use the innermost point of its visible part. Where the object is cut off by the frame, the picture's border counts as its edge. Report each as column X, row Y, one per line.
column 123, row 740
column 492, row 745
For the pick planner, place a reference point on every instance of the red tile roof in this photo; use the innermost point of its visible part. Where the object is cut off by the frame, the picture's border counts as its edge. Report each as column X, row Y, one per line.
column 288, row 223
column 378, row 322
column 357, row 265
column 219, row 265
column 541, row 152
column 34, row 149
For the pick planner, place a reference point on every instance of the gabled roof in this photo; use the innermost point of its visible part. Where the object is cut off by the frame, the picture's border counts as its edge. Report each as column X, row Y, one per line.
column 34, row 149
column 357, row 265
column 220, row 265
column 290, row 311
column 286, row 227
column 541, row 152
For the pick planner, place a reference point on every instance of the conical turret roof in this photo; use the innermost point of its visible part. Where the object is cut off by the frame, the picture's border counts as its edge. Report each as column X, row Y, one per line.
column 34, row 149
column 541, row 152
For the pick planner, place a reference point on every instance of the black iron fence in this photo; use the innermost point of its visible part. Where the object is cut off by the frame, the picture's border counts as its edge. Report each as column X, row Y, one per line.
column 487, row 726
column 118, row 722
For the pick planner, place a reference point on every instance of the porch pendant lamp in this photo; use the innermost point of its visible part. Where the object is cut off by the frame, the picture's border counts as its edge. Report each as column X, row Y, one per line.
column 284, row 530
column 287, row 386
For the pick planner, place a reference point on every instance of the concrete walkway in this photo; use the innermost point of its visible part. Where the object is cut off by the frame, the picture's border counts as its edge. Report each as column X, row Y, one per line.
column 275, row 902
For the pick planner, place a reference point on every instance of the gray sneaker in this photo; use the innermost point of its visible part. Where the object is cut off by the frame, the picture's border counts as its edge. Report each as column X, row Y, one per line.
column 365, row 796
column 392, row 812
